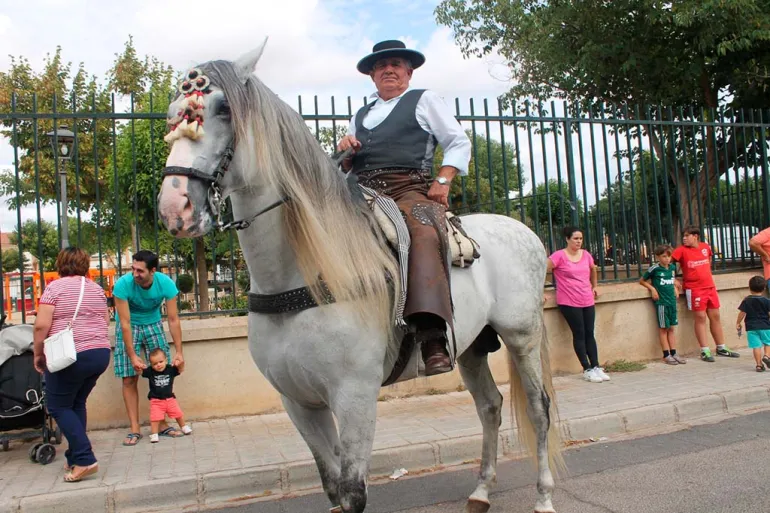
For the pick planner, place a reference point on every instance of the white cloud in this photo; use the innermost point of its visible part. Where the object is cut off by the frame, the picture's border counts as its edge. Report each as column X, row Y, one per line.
column 5, row 24
column 450, row 74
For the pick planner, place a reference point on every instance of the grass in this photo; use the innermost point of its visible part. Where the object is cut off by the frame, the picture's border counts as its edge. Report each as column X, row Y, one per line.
column 624, row 366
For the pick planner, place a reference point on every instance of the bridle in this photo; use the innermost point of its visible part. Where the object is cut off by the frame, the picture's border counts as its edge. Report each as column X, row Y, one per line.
column 189, row 122
column 214, row 194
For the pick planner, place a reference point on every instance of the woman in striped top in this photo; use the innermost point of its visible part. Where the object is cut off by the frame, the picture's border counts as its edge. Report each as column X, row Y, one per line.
column 67, row 390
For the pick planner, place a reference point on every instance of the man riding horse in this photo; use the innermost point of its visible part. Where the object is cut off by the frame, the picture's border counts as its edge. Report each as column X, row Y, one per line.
column 394, row 138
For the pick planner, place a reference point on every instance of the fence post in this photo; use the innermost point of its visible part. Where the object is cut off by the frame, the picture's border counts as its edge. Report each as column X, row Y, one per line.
column 570, row 168
column 765, row 172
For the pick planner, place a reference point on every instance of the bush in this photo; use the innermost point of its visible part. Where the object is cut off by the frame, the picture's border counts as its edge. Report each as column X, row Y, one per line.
column 185, row 305
column 185, row 283
column 241, row 303
column 624, row 366
column 243, row 280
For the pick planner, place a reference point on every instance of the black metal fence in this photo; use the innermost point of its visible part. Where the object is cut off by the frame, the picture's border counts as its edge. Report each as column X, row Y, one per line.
column 630, row 177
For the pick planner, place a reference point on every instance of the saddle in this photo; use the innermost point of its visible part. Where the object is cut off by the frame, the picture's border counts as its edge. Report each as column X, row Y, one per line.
column 463, row 249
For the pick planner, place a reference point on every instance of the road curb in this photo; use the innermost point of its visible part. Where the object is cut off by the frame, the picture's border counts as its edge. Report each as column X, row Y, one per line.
column 204, row 490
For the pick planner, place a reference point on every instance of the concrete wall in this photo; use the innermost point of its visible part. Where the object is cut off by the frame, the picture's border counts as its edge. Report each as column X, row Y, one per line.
column 221, row 379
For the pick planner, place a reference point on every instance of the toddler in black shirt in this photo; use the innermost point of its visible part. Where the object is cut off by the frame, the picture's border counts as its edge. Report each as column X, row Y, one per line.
column 162, row 399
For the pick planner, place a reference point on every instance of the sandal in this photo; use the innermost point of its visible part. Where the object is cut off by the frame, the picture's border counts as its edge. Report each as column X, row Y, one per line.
column 132, row 439
column 73, row 477
column 766, row 359
column 171, row 432
column 760, row 368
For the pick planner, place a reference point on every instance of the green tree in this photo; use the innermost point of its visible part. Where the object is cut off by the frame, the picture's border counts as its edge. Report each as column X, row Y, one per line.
column 54, row 89
column 10, row 260
column 550, row 204
column 680, row 53
column 184, row 283
column 48, row 239
column 328, row 137
column 486, row 188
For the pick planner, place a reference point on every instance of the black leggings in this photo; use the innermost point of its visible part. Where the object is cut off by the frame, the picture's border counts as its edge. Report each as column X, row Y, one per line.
column 581, row 322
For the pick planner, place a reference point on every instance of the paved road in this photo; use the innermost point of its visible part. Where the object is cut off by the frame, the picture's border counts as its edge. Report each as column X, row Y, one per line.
column 713, row 468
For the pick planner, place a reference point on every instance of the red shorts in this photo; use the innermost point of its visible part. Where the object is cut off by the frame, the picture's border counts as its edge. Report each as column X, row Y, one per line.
column 700, row 300
column 159, row 408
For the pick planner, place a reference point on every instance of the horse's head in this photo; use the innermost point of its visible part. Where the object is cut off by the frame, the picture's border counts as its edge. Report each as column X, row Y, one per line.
column 202, row 132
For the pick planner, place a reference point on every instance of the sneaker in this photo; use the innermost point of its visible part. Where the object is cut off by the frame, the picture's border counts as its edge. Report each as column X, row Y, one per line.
column 186, row 429
column 154, row 438
column 600, row 372
column 678, row 359
column 725, row 351
column 670, row 360
column 706, row 356
column 590, row 375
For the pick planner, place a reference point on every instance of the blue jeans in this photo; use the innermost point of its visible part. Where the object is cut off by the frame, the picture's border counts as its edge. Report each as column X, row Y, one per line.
column 66, row 393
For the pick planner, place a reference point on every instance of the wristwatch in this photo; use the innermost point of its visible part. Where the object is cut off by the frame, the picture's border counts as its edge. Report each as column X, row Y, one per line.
column 442, row 180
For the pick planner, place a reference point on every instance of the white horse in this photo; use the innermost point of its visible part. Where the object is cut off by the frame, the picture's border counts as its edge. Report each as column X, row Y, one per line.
column 329, row 361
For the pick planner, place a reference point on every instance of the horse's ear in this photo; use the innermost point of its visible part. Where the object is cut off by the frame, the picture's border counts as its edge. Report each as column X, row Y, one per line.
column 247, row 63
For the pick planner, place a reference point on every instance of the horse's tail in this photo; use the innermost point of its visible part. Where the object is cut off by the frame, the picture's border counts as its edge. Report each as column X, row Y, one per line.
column 526, row 430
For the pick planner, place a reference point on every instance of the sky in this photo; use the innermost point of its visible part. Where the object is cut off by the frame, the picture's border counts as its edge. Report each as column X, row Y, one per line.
column 313, row 45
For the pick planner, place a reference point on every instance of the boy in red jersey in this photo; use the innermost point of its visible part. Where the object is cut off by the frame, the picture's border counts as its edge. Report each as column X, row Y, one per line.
column 694, row 259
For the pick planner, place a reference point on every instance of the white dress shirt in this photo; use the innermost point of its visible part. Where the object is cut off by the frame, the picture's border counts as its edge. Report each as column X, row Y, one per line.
column 434, row 117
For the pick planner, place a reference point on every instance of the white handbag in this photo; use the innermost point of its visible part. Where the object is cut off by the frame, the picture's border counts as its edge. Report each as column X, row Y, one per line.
column 59, row 349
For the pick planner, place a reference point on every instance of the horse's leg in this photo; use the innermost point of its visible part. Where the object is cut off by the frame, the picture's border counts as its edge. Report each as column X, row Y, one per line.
column 474, row 368
column 355, row 406
column 316, row 425
column 533, row 387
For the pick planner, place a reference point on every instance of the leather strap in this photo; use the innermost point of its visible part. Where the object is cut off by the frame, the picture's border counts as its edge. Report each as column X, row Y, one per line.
column 80, row 300
column 294, row 300
column 404, row 355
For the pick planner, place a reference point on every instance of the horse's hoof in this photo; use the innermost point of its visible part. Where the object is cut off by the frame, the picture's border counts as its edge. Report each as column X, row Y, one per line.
column 336, row 509
column 477, row 506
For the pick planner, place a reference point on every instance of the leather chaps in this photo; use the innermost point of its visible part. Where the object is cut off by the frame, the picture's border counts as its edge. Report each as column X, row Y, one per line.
column 428, row 288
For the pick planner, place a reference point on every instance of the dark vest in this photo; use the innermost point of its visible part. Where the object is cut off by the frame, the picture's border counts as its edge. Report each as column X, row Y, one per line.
column 398, row 142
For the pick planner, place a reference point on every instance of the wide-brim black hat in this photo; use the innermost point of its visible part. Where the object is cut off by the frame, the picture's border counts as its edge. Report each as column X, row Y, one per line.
column 387, row 49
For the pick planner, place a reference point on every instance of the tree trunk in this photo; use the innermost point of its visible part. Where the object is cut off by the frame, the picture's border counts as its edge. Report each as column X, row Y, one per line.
column 692, row 192
column 203, row 275
column 135, row 237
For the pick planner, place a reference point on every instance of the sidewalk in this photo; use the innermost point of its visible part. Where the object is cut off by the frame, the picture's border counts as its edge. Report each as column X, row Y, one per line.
column 241, row 457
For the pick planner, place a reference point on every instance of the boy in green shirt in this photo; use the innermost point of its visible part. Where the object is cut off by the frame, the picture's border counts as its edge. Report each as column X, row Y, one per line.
column 664, row 289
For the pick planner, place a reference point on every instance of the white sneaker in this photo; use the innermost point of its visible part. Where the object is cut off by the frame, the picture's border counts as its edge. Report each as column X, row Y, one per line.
column 186, row 429
column 590, row 375
column 154, row 438
column 600, row 372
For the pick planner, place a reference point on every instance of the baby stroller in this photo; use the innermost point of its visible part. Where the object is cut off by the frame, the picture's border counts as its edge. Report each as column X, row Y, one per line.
column 23, row 412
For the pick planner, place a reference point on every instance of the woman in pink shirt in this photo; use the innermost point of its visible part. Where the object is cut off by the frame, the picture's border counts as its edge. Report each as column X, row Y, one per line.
column 575, row 277
column 67, row 389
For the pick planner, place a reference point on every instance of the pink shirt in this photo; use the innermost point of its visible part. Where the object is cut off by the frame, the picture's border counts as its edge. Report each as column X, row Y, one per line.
column 573, row 279
column 90, row 328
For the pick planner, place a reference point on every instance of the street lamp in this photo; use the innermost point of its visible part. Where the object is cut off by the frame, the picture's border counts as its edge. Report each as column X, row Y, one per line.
column 62, row 140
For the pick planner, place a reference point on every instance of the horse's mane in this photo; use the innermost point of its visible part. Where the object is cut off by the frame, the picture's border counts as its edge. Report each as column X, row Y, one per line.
column 330, row 235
